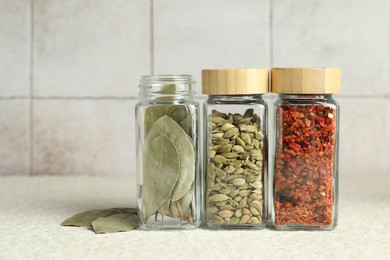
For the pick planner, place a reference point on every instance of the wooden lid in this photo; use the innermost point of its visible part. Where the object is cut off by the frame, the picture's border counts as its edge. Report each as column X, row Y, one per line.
column 234, row 81
column 305, row 80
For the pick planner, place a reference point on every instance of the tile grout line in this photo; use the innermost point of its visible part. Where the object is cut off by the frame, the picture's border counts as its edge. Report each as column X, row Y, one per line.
column 270, row 55
column 84, row 98
column 385, row 96
column 15, row 97
column 151, row 28
column 31, row 68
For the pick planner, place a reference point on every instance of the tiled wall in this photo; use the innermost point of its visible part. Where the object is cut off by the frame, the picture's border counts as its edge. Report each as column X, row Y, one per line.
column 69, row 71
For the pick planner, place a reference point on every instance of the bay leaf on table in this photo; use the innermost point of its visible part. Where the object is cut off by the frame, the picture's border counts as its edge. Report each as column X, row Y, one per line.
column 127, row 210
column 85, row 219
column 115, row 223
column 161, row 172
column 185, row 149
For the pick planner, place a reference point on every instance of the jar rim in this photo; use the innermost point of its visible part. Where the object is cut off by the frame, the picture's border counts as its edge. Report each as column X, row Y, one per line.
column 166, row 85
column 177, row 78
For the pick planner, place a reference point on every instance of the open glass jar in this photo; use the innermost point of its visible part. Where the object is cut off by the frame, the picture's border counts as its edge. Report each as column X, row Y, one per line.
column 235, row 151
column 167, row 153
column 305, row 174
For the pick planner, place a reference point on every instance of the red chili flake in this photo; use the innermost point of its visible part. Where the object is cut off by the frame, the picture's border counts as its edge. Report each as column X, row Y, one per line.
column 304, row 163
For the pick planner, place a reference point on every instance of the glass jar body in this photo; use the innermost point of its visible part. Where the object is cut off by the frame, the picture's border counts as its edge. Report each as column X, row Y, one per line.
column 234, row 191
column 305, row 170
column 167, row 154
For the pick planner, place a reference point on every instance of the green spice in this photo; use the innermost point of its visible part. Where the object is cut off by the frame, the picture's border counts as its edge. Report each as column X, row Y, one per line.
column 115, row 223
column 161, row 171
column 169, row 165
column 105, row 220
column 234, row 172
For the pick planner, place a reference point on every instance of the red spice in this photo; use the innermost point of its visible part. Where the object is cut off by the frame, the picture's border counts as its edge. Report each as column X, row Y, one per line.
column 304, row 165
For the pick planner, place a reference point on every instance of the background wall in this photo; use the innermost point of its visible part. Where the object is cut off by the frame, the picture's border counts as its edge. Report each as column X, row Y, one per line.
column 69, row 71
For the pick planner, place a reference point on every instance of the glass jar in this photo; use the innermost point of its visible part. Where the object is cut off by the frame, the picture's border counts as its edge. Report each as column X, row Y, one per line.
column 305, row 173
column 235, row 153
column 167, row 153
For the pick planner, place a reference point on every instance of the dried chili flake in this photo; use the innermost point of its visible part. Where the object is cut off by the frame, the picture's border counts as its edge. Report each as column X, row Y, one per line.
column 303, row 181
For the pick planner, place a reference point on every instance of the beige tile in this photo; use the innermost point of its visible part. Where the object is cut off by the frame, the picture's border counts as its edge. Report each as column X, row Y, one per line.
column 351, row 34
column 84, row 137
column 14, row 137
column 193, row 35
column 14, row 47
column 365, row 136
column 90, row 47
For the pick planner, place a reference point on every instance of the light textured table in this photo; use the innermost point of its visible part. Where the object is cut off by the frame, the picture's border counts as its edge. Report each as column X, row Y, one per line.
column 31, row 209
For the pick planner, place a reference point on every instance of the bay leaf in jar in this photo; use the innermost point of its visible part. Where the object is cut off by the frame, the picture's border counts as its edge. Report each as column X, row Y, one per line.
column 181, row 208
column 185, row 148
column 161, row 172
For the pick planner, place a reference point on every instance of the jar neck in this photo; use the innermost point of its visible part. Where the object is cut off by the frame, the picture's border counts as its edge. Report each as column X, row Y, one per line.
column 166, row 88
column 306, row 96
column 234, row 99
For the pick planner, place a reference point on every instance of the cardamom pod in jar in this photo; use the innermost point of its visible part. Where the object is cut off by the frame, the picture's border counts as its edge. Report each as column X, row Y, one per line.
column 235, row 157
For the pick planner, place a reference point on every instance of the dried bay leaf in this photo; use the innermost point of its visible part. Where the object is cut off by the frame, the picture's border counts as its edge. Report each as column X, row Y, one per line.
column 85, row 219
column 161, row 172
column 175, row 121
column 182, row 206
column 185, row 148
column 115, row 223
column 181, row 112
column 177, row 112
column 167, row 89
column 165, row 207
column 186, row 124
column 126, row 210
column 153, row 113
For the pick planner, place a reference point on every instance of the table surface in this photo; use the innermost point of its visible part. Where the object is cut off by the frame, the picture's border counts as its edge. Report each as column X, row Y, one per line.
column 32, row 208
